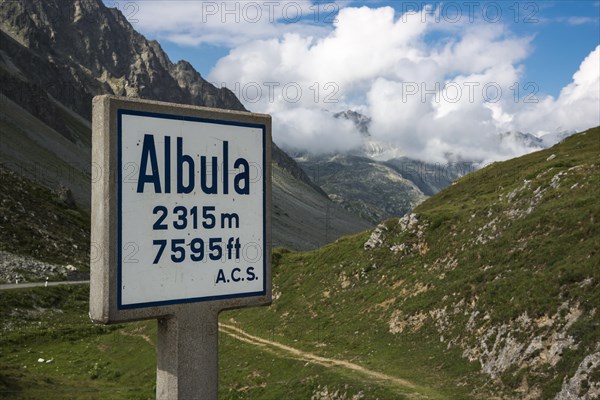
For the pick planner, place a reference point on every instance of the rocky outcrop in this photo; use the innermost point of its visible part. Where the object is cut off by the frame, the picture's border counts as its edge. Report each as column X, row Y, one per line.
column 580, row 386
column 21, row 269
column 83, row 48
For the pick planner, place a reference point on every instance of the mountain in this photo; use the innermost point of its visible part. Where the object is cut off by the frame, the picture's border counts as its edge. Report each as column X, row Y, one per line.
column 489, row 289
column 370, row 147
column 550, row 139
column 55, row 56
column 360, row 121
column 81, row 48
column 378, row 180
column 522, row 139
column 383, row 151
column 365, row 187
column 430, row 178
column 530, row 141
column 375, row 181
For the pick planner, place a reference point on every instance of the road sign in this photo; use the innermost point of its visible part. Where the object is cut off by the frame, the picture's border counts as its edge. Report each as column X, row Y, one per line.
column 180, row 224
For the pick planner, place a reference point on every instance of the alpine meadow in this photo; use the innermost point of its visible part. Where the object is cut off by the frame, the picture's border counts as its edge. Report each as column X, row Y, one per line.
column 419, row 248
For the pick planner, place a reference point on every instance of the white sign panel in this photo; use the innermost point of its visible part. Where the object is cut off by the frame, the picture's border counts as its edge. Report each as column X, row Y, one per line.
column 191, row 209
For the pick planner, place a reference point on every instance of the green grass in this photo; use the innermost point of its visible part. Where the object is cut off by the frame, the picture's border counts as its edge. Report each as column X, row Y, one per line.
column 333, row 301
column 247, row 372
column 88, row 361
column 118, row 362
column 446, row 292
column 347, row 324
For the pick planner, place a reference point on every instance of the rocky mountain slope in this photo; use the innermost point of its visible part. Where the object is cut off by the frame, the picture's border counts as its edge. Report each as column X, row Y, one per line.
column 55, row 56
column 47, row 231
column 490, row 289
column 363, row 186
column 375, row 181
column 81, row 48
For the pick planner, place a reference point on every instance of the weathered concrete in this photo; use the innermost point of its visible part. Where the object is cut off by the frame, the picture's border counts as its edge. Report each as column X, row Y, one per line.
column 187, row 358
column 187, row 332
column 103, row 279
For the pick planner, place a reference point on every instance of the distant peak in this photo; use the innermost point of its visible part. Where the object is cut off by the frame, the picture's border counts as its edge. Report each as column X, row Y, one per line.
column 361, row 121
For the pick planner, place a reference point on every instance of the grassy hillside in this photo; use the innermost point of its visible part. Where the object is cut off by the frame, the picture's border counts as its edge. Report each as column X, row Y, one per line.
column 43, row 154
column 40, row 223
column 489, row 290
column 491, row 287
column 49, row 349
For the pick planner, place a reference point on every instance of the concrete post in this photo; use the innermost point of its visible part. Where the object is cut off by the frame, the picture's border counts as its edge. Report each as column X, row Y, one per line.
column 184, row 296
column 187, row 357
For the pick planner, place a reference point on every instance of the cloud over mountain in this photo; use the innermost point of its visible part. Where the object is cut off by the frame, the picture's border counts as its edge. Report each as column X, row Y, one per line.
column 436, row 87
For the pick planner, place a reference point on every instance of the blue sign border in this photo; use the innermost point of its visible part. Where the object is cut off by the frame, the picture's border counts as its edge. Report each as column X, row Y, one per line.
column 120, row 113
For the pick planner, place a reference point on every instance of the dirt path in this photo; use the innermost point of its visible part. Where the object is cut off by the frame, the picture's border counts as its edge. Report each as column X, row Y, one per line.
column 265, row 344
column 243, row 336
column 136, row 333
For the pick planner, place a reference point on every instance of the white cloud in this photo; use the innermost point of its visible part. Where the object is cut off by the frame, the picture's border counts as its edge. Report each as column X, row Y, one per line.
column 576, row 108
column 438, row 90
column 306, row 128
column 231, row 23
column 578, row 20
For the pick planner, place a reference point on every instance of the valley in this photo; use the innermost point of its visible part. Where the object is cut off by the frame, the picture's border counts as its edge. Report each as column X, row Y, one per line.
column 46, row 131
column 466, row 297
column 393, row 277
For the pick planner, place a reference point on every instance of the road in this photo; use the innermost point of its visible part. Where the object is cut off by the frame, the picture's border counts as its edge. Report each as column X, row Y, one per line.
column 9, row 286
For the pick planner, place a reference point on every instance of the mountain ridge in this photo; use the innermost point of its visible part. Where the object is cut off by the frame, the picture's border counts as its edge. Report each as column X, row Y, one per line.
column 55, row 56
column 377, row 180
column 374, row 181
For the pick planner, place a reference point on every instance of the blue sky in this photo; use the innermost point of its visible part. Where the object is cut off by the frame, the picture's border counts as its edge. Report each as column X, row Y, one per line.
column 439, row 79
column 564, row 36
